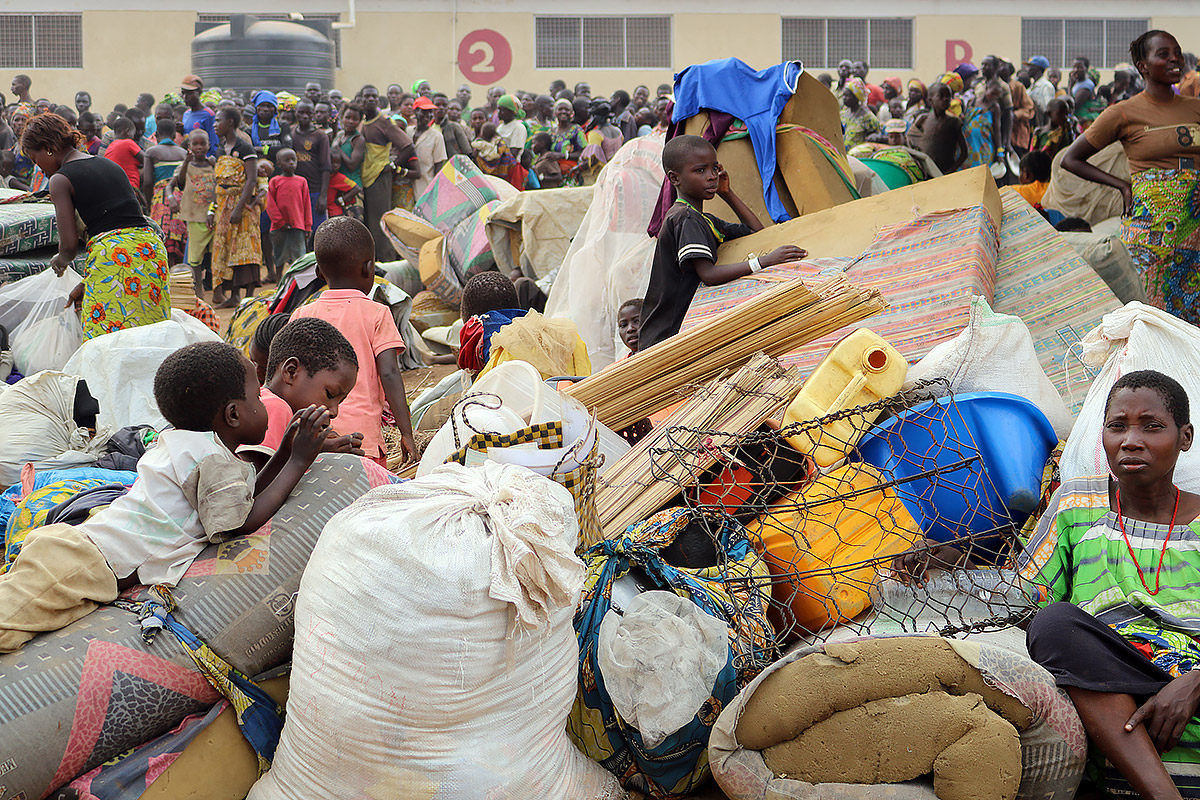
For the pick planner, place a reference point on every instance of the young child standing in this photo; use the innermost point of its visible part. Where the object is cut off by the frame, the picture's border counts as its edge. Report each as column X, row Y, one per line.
column 290, row 208
column 346, row 259
column 191, row 490
column 125, row 152
column 687, row 242
column 199, row 187
column 941, row 133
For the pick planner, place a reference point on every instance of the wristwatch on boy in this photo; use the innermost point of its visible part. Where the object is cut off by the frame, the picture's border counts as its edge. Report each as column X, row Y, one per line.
column 755, row 266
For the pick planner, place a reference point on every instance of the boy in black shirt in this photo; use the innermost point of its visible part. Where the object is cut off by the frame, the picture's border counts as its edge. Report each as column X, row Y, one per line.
column 688, row 241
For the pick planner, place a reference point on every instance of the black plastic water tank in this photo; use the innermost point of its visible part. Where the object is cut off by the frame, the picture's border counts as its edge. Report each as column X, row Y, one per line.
column 249, row 53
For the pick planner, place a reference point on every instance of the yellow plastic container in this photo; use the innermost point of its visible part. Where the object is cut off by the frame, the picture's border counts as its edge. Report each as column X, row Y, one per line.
column 862, row 368
column 824, row 543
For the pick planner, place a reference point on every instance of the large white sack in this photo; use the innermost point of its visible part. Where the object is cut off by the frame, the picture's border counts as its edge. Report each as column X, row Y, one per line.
column 609, row 259
column 119, row 367
column 435, row 655
column 1131, row 338
column 995, row 353
column 37, row 426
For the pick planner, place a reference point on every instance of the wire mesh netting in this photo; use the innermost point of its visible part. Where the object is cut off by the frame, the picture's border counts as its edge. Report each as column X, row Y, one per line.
column 901, row 527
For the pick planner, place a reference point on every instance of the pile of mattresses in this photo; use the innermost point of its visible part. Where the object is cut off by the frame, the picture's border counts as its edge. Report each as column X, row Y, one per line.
column 76, row 699
column 445, row 233
column 930, row 250
column 28, row 235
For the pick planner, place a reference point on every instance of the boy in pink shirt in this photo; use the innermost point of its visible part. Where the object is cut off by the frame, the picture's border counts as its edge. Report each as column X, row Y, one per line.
column 346, row 259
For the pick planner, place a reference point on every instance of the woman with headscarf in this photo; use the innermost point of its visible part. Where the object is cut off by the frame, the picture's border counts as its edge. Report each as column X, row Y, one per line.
column 891, row 88
column 603, row 141
column 1160, row 133
column 955, row 82
column 567, row 139
column 267, row 133
column 857, row 120
column 917, row 96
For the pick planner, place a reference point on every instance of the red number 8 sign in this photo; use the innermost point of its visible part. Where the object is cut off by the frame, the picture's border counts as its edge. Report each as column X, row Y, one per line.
column 484, row 56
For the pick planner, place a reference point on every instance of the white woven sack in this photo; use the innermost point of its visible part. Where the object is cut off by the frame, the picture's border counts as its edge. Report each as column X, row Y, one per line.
column 435, row 656
column 1132, row 338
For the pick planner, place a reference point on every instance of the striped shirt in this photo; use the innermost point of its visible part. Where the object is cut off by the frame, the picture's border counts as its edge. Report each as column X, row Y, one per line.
column 687, row 235
column 1078, row 554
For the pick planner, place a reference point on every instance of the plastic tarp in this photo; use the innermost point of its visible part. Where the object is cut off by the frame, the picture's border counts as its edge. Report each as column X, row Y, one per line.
column 533, row 230
column 609, row 260
column 119, row 367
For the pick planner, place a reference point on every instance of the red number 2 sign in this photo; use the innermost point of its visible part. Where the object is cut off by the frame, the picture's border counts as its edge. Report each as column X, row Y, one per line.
column 484, row 56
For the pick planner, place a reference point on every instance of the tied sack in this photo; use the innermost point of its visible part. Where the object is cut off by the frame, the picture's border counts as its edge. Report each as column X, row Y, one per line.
column 435, row 655
column 1134, row 337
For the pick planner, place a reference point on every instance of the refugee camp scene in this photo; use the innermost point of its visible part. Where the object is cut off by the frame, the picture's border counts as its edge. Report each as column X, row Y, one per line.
column 649, row 401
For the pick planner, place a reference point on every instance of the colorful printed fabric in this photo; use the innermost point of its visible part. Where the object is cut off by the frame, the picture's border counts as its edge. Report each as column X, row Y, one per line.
column 128, row 776
column 900, row 157
column 733, row 593
column 457, row 192
column 204, row 312
column 505, row 165
column 31, row 511
column 174, row 229
column 468, row 246
column 126, row 281
column 233, row 245
column 859, row 125
column 1163, row 237
column 259, row 717
column 977, row 127
column 1079, row 554
column 245, row 321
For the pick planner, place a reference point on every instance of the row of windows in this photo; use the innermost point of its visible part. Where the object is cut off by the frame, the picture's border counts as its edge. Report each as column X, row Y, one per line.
column 818, row 42
column 41, row 41
column 55, row 41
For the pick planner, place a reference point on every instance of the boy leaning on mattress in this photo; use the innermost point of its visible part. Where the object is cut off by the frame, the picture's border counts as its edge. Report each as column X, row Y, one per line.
column 191, row 490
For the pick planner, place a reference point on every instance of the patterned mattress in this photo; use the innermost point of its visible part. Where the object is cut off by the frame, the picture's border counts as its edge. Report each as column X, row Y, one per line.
column 72, row 700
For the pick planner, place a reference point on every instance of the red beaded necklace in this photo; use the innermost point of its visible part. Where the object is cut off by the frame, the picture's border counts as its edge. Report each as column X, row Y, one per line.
column 1161, row 556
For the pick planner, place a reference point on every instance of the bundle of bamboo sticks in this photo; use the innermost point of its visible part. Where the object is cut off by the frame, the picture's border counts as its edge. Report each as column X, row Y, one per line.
column 777, row 322
column 673, row 457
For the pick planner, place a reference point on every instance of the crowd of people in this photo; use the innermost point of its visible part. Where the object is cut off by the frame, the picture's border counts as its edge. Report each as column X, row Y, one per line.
column 238, row 183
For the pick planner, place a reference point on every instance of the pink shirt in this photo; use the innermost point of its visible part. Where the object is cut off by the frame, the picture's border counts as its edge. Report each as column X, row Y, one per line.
column 279, row 414
column 370, row 329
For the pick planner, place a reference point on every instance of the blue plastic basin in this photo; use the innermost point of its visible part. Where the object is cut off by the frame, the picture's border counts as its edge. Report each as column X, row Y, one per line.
column 971, row 465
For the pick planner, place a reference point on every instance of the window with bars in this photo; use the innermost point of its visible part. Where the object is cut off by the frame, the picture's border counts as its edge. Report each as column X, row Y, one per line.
column 221, row 19
column 41, row 41
column 1104, row 42
column 820, row 43
column 602, row 42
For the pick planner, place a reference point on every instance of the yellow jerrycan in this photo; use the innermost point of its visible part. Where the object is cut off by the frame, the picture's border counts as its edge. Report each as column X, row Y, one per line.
column 860, row 369
column 824, row 543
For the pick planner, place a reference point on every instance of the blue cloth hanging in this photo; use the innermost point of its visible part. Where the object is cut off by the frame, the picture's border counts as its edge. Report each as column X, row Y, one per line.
column 729, row 85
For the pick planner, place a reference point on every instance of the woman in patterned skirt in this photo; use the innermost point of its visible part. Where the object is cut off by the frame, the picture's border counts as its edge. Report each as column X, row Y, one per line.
column 125, row 284
column 237, row 250
column 1160, row 133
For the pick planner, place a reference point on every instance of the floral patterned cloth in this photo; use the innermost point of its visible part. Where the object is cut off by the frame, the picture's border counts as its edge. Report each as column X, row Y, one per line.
column 126, row 281
column 234, row 245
